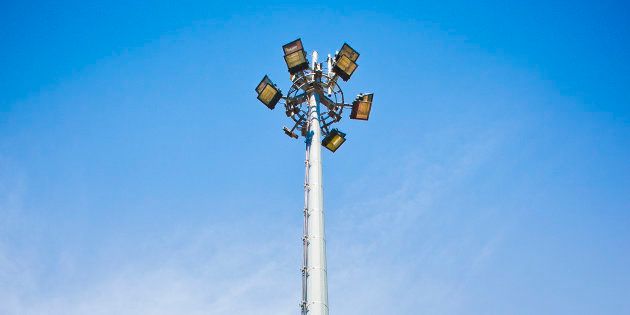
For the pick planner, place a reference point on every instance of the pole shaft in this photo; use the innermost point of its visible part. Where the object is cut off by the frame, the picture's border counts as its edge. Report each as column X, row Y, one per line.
column 315, row 281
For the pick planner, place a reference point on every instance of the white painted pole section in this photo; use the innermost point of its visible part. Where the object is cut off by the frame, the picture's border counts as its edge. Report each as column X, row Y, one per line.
column 315, row 261
column 314, row 67
column 330, row 72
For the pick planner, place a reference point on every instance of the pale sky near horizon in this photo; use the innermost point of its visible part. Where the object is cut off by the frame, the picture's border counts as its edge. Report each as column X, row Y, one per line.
column 140, row 175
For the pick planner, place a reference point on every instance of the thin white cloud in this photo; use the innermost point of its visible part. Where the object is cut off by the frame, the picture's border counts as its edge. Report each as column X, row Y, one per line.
column 392, row 257
column 383, row 260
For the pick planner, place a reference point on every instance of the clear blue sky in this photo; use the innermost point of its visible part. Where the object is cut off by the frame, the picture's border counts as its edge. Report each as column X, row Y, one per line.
column 140, row 175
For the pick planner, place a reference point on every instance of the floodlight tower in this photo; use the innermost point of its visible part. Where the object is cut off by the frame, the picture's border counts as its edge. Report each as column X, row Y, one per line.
column 311, row 88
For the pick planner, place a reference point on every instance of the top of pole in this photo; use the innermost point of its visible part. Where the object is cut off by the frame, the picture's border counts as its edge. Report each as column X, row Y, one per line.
column 309, row 78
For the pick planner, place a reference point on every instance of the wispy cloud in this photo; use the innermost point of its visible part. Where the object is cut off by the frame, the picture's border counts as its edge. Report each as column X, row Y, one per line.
column 387, row 255
column 256, row 284
column 215, row 270
column 400, row 251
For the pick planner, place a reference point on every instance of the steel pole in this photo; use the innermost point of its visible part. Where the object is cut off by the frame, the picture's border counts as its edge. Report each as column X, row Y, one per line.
column 315, row 282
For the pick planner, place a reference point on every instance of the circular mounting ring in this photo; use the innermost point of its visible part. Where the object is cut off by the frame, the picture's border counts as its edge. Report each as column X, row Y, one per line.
column 331, row 96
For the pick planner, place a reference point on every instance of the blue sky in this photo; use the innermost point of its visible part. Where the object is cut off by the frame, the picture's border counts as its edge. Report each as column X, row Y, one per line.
column 140, row 175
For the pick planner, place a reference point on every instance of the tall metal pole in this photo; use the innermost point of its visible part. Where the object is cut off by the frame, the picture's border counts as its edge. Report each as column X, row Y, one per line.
column 315, row 279
column 312, row 90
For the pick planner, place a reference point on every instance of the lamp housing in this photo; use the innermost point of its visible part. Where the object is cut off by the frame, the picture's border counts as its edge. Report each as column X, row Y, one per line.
column 268, row 93
column 295, row 56
column 349, row 52
column 344, row 67
column 289, row 133
column 362, row 106
column 334, row 140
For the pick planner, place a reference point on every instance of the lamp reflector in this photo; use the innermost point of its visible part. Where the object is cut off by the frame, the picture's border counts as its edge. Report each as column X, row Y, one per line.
column 361, row 107
column 334, row 140
column 349, row 52
column 344, row 67
column 295, row 56
column 296, row 61
column 268, row 93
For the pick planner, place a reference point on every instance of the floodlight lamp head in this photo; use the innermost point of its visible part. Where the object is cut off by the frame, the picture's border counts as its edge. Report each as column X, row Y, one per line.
column 334, row 140
column 344, row 67
column 268, row 93
column 349, row 52
column 362, row 106
column 295, row 56
column 289, row 133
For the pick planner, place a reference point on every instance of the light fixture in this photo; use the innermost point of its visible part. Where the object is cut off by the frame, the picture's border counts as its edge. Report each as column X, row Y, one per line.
column 349, row 52
column 334, row 140
column 344, row 67
column 268, row 93
column 345, row 64
column 289, row 133
column 361, row 106
column 295, row 56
